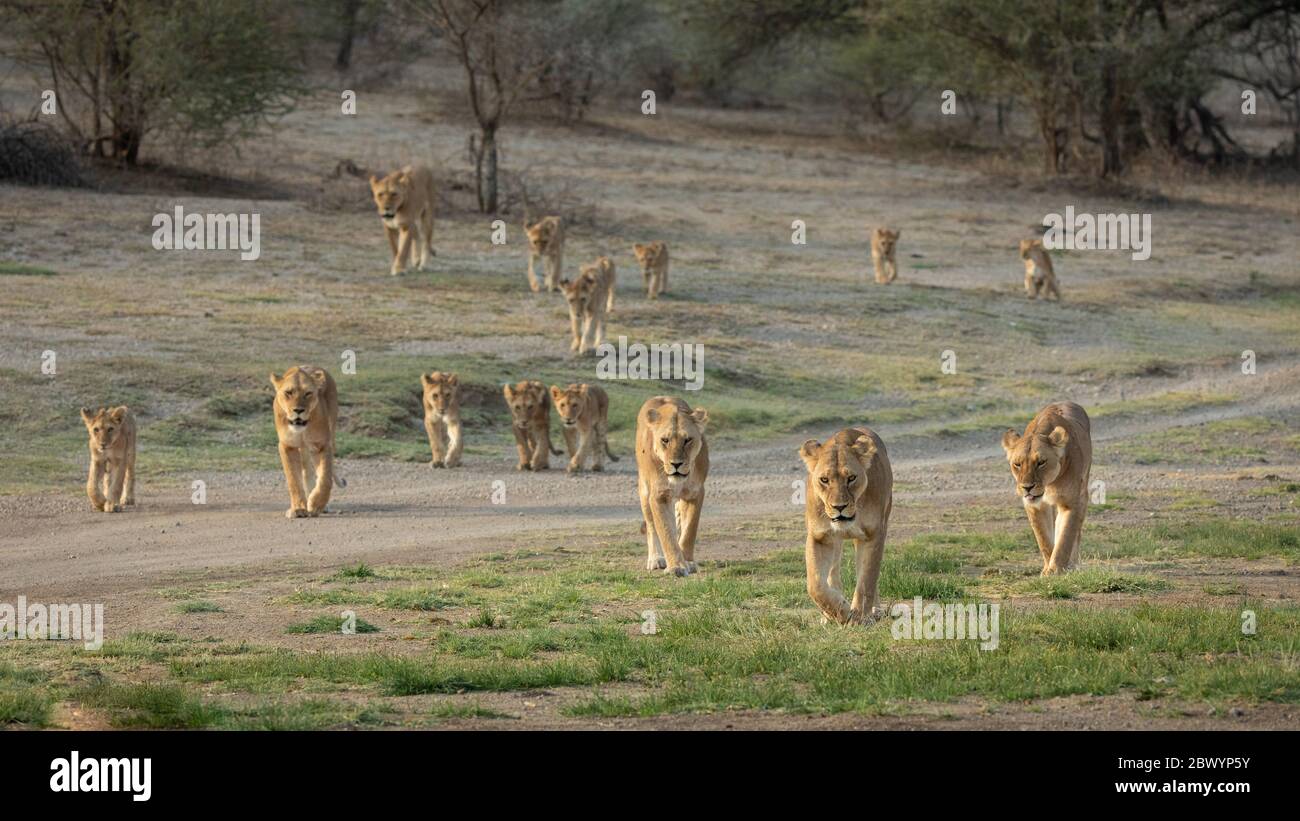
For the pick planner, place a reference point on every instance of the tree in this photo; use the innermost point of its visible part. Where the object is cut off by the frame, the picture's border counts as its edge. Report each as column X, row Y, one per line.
column 211, row 71
column 486, row 38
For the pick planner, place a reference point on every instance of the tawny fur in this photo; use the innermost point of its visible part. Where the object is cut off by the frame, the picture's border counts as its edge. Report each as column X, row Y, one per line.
column 884, row 244
column 111, row 483
column 584, row 418
column 589, row 297
column 545, row 242
column 654, row 266
column 306, row 420
column 1040, row 279
column 530, row 418
column 442, row 418
column 850, row 494
column 1051, row 463
column 405, row 201
column 672, row 463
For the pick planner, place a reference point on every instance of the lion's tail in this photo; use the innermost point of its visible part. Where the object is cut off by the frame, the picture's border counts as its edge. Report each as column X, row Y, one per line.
column 556, row 451
column 609, row 452
column 339, row 480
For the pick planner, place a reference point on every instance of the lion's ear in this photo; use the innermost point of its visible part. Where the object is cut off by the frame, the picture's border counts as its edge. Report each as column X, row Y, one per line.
column 1058, row 437
column 118, row 413
column 275, row 380
column 583, row 389
column 453, row 379
column 652, row 415
column 318, row 376
column 555, row 392
column 865, row 448
column 638, row 248
column 508, row 391
column 1009, row 440
column 701, row 417
column 808, row 452
column 87, row 416
column 427, row 378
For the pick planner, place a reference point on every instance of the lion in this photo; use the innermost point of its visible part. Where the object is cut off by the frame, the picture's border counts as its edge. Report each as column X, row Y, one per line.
column 584, row 415
column 405, row 201
column 851, row 496
column 1039, row 276
column 306, row 418
column 883, row 244
column 1051, row 463
column 530, row 416
column 545, row 240
column 442, row 417
column 111, row 483
column 672, row 462
column 654, row 267
column 589, row 297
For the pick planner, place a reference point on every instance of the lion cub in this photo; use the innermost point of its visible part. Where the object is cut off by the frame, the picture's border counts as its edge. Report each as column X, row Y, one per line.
column 530, row 416
column 850, row 497
column 111, row 483
column 672, row 462
column 1039, row 276
column 1051, row 463
column 584, row 415
column 405, row 202
column 654, row 267
column 545, row 240
column 590, row 297
column 442, row 417
column 883, row 244
column 306, row 418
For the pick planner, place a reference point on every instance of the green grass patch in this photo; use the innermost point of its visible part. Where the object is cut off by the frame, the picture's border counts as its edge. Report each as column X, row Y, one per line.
column 330, row 624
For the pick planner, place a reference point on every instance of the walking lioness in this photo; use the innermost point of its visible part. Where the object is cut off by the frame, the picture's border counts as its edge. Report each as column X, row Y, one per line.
column 850, row 495
column 1039, row 276
column 584, row 417
column 672, row 462
column 530, row 419
column 405, row 202
column 306, row 418
column 111, row 483
column 884, row 244
column 654, row 266
column 442, row 417
column 545, row 240
column 590, row 297
column 1051, row 463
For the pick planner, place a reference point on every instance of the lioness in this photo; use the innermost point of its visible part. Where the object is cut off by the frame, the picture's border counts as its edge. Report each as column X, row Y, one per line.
column 405, row 202
column 530, row 416
column 1039, row 276
column 545, row 240
column 306, row 417
column 851, row 495
column 654, row 267
column 589, row 297
column 111, row 483
column 1051, row 463
column 672, row 462
column 883, row 244
column 584, row 414
column 442, row 417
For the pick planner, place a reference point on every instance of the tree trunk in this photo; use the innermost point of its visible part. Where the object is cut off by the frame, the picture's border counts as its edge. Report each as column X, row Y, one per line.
column 344, row 58
column 1112, row 158
column 486, row 168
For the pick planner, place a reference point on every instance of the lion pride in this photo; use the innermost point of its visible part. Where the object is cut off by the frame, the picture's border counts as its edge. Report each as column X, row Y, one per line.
column 672, row 462
column 306, row 418
column 850, row 496
column 1051, row 463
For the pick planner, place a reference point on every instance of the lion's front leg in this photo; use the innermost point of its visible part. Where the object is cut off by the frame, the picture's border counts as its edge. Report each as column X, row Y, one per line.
column 688, row 514
column 320, row 495
column 1041, row 521
column 879, row 270
column 94, row 486
column 866, row 598
column 392, row 234
column 573, row 329
column 522, row 445
column 532, row 274
column 822, row 562
column 665, row 525
column 1069, row 532
column 291, row 461
column 454, row 444
column 541, row 442
column 403, row 250
column 579, row 455
column 654, row 559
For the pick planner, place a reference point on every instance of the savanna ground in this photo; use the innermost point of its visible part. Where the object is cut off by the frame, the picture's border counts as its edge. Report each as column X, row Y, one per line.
column 528, row 614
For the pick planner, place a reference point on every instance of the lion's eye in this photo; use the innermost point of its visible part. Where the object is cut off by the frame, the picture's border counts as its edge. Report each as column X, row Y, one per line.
column 307, row 395
column 108, row 430
column 663, row 441
column 825, row 481
column 852, row 479
column 96, row 430
column 688, row 440
column 1042, row 462
column 1015, row 465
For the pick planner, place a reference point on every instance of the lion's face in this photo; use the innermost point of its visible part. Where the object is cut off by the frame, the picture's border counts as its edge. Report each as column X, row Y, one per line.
column 297, row 395
column 1027, row 247
column 887, row 239
column 645, row 254
column 837, row 473
column 578, row 292
column 389, row 193
column 440, row 390
column 525, row 400
column 539, row 235
column 104, row 426
column 1035, row 460
column 677, row 438
column 569, row 403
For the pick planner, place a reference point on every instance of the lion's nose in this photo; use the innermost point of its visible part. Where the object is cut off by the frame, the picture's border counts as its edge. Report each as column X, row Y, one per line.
column 840, row 508
column 678, row 464
column 299, row 410
column 1029, row 486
